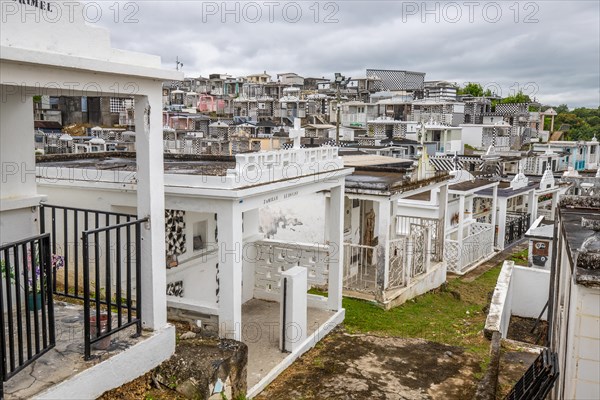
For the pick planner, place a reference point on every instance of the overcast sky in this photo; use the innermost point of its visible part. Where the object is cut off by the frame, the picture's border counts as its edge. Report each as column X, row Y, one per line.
column 549, row 49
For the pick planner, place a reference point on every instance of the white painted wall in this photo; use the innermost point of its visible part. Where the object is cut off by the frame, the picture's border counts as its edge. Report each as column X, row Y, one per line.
column 18, row 224
column 352, row 217
column 529, row 287
column 583, row 378
column 18, row 191
column 454, row 146
column 520, row 291
column 199, row 280
column 298, row 220
column 16, row 145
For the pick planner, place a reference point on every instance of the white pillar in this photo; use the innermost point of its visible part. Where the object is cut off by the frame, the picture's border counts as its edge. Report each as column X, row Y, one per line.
column 229, row 225
column 151, row 203
column 445, row 141
column 554, row 204
column 502, row 205
column 383, row 248
column 493, row 210
column 335, row 219
column 461, row 218
column 251, row 222
column 443, row 209
column 543, row 116
column 294, row 332
column 394, row 219
column 16, row 144
column 532, row 207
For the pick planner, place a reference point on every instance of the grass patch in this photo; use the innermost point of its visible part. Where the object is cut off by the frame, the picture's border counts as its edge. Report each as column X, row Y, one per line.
column 452, row 314
column 520, row 258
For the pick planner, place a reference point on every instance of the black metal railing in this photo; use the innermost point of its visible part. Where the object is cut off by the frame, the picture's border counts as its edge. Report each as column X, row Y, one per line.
column 517, row 225
column 537, row 382
column 66, row 225
column 111, row 264
column 26, row 304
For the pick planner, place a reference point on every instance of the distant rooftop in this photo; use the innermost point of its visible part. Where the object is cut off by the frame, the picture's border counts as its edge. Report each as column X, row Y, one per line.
column 580, row 217
column 197, row 173
column 357, row 160
column 125, row 161
column 468, row 186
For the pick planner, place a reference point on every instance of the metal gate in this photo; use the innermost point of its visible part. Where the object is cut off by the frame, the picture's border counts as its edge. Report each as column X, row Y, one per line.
column 26, row 304
column 419, row 239
column 516, row 227
column 538, row 380
column 101, row 266
column 360, row 268
column 397, row 274
column 112, row 280
column 436, row 228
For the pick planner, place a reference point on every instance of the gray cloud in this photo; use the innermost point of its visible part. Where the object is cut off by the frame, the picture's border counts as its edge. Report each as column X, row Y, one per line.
column 552, row 46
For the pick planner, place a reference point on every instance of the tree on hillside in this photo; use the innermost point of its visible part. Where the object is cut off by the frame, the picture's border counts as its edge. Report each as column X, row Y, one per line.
column 474, row 89
column 584, row 123
column 563, row 108
column 518, row 97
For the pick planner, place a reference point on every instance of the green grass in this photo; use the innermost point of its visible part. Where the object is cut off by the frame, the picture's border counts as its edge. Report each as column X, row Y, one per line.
column 452, row 315
column 520, row 258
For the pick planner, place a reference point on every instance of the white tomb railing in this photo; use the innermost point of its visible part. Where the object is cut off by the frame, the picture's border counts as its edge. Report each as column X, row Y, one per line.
column 272, row 257
column 360, row 268
column 474, row 247
column 272, row 166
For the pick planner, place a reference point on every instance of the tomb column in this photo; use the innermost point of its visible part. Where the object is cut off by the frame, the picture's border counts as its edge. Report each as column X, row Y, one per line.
column 151, row 205
column 229, row 225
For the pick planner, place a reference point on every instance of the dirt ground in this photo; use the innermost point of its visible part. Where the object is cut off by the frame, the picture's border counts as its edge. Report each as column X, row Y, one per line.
column 521, row 329
column 361, row 367
column 514, row 361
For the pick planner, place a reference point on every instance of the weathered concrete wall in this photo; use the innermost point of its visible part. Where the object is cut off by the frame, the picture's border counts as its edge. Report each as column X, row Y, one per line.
column 520, row 291
column 497, row 316
column 418, row 286
column 486, row 390
column 199, row 365
column 298, row 220
column 117, row 370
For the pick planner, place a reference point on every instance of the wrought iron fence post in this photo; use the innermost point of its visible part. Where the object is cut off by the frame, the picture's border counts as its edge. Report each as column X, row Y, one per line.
column 21, row 261
column 138, row 277
column 86, row 295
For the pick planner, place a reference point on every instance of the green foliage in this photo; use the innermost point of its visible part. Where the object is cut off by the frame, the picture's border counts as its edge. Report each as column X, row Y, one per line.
column 520, row 258
column 468, row 148
column 474, row 89
column 7, row 273
column 518, row 97
column 239, row 397
column 584, row 123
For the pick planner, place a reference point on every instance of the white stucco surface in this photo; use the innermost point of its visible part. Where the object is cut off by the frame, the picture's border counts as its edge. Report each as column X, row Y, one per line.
column 298, row 220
